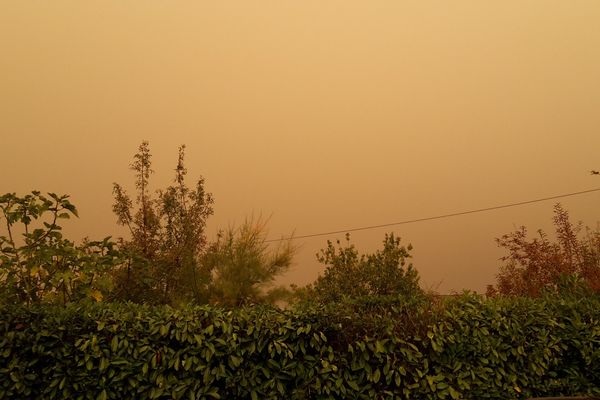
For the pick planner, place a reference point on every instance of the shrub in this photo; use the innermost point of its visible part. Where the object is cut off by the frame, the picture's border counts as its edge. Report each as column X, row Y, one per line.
column 472, row 348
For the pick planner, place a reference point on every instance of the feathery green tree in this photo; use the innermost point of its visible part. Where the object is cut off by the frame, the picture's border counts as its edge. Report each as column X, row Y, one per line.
column 242, row 267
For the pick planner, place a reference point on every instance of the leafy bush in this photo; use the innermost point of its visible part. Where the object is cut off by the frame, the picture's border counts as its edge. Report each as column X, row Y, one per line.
column 471, row 348
column 350, row 276
column 37, row 263
column 519, row 347
column 538, row 264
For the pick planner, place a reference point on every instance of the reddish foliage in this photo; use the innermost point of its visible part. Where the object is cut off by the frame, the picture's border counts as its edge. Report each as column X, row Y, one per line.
column 538, row 263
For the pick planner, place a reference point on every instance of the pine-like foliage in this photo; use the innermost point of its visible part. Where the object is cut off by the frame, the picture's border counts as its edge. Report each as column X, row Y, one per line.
column 243, row 267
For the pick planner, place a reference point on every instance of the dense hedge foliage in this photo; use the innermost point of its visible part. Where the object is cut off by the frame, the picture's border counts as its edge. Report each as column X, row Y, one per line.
column 466, row 348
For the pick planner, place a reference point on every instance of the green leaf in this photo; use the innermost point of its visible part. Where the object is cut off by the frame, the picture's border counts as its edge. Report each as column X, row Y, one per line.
column 454, row 393
column 164, row 330
column 214, row 394
column 353, row 385
column 102, row 395
column 114, row 344
column 235, row 361
column 376, row 375
column 67, row 205
column 397, row 379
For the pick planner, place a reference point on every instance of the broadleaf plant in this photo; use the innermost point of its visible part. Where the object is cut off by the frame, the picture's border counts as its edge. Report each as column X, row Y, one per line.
column 37, row 263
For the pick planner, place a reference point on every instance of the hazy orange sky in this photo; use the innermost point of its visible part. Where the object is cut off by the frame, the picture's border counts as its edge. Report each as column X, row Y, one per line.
column 326, row 115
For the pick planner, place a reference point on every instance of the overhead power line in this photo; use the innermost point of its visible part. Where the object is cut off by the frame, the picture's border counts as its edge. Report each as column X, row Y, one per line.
column 454, row 214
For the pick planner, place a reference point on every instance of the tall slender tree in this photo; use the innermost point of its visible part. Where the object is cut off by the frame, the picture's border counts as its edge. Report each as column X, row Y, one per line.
column 166, row 235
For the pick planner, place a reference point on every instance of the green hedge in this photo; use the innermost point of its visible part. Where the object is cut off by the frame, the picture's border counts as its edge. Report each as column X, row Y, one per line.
column 469, row 348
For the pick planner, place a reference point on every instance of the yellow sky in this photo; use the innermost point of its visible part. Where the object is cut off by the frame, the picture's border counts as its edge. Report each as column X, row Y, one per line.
column 324, row 114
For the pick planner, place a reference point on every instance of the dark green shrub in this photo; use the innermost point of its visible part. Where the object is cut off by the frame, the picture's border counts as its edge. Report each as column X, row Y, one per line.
column 466, row 348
